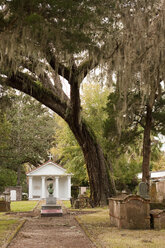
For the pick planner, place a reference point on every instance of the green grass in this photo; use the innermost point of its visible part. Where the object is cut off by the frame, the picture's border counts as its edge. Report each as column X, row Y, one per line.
column 97, row 226
column 66, row 204
column 4, row 224
column 96, row 209
column 23, row 206
column 10, row 223
column 7, row 227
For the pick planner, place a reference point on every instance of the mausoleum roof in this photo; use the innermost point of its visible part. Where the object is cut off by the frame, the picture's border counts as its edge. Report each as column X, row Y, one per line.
column 48, row 169
column 154, row 175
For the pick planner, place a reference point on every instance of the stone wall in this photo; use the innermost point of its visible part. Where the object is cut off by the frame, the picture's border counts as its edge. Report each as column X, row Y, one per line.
column 157, row 191
column 18, row 191
column 129, row 211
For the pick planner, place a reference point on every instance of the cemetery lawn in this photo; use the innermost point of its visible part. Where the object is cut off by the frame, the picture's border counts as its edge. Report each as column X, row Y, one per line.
column 23, row 206
column 97, row 227
column 8, row 226
column 65, row 204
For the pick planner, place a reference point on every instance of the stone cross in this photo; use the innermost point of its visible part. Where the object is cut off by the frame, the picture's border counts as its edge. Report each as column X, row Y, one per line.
column 143, row 190
column 50, row 156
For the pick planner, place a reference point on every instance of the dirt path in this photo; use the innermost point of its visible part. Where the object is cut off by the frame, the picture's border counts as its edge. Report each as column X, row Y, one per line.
column 51, row 232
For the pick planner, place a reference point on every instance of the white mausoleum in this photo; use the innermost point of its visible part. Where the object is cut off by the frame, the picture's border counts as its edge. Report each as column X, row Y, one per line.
column 155, row 175
column 41, row 177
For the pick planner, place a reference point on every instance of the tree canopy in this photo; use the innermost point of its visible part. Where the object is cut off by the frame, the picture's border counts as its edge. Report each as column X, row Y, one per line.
column 40, row 41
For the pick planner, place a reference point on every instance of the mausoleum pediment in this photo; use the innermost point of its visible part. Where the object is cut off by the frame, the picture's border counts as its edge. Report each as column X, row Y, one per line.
column 48, row 169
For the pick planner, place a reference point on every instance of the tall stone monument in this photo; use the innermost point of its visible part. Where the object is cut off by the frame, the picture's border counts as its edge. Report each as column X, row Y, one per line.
column 51, row 208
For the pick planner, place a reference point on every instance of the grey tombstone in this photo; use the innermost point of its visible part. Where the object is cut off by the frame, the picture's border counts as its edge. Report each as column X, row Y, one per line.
column 50, row 200
column 143, row 190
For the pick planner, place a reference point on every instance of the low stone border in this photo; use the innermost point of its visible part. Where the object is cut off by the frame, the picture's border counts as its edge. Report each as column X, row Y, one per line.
column 86, row 232
column 7, row 243
column 36, row 206
column 13, row 234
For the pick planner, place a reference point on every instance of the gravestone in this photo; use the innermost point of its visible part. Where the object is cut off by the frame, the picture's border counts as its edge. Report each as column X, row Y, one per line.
column 13, row 195
column 4, row 206
column 130, row 212
column 5, row 202
column 83, row 201
column 143, row 190
column 51, row 209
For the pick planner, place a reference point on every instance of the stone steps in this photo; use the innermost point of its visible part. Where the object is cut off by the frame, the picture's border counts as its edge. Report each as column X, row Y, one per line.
column 51, row 210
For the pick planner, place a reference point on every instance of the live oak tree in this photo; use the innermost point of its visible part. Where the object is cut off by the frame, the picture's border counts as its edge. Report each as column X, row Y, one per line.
column 70, row 38
column 59, row 38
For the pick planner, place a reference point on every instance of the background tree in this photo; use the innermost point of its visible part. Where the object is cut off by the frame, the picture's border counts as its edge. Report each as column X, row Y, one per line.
column 8, row 177
column 141, row 124
column 30, row 137
column 140, row 61
column 4, row 124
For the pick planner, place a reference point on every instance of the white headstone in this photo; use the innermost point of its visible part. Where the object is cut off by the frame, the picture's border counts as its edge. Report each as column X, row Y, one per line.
column 13, row 195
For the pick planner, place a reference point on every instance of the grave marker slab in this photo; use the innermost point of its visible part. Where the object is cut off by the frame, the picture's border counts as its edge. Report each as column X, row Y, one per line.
column 143, row 190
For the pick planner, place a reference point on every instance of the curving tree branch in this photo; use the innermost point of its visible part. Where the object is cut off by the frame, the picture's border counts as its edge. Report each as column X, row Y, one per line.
column 29, row 85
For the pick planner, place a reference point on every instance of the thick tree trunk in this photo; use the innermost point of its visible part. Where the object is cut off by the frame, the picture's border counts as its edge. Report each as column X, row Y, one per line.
column 101, row 181
column 147, row 146
column 19, row 175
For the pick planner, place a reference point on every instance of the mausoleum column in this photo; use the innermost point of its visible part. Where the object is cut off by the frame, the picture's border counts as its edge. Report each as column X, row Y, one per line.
column 54, row 187
column 69, row 187
column 43, row 193
column 57, row 187
column 30, row 187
